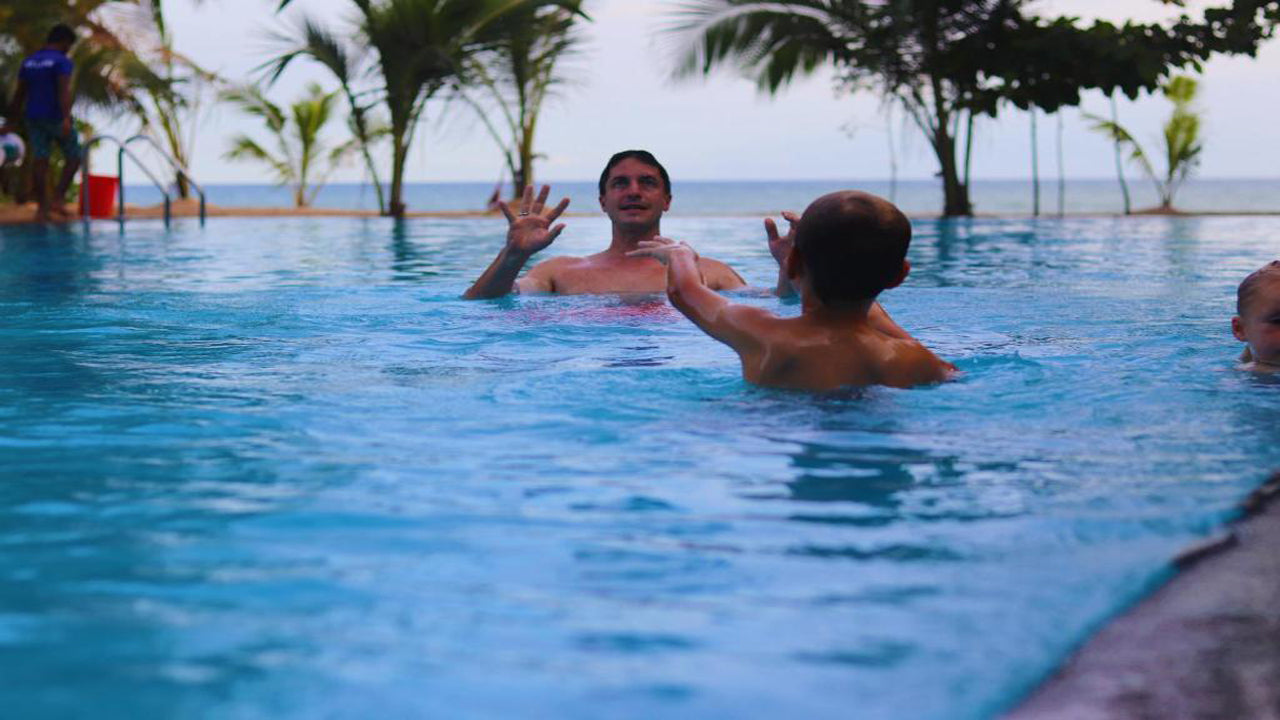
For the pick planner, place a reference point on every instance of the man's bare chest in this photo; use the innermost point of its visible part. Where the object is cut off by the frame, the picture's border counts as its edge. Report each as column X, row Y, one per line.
column 589, row 278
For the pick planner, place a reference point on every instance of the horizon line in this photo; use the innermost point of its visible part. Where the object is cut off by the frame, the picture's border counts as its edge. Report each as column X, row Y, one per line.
column 1048, row 182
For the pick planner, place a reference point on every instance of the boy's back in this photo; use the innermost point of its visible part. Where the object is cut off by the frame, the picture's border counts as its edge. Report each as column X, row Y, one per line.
column 823, row 353
column 847, row 248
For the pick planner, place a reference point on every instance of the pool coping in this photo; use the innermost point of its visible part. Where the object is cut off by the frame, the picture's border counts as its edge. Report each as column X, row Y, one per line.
column 1206, row 644
column 11, row 214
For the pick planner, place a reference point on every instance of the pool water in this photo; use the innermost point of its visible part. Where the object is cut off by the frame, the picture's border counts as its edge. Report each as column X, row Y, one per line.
column 278, row 469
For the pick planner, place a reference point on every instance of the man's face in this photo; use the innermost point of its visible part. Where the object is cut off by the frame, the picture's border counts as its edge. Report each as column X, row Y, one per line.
column 634, row 195
column 1260, row 324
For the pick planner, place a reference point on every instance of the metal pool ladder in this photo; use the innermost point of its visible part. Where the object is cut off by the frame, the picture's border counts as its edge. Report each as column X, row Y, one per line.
column 120, row 155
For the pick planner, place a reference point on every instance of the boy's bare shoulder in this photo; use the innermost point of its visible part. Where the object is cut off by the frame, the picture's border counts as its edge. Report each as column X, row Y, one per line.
column 909, row 363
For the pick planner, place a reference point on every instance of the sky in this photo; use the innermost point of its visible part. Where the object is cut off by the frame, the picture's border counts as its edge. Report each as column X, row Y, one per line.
column 720, row 127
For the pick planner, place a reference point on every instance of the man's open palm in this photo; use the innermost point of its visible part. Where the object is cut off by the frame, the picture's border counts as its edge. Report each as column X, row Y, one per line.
column 529, row 229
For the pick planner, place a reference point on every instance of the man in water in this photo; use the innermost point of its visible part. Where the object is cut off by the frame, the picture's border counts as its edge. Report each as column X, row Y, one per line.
column 635, row 191
column 44, row 83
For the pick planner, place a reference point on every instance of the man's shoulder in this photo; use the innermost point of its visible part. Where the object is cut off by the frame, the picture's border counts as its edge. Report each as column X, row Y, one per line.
column 45, row 59
column 561, row 262
column 720, row 275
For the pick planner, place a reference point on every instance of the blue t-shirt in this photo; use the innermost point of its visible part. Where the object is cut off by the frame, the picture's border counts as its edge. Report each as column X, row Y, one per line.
column 40, row 71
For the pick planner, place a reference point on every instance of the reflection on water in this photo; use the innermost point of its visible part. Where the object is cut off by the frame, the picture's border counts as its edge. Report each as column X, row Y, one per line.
column 411, row 260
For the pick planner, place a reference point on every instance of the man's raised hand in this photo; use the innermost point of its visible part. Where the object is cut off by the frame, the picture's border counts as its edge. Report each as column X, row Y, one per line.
column 780, row 245
column 528, row 228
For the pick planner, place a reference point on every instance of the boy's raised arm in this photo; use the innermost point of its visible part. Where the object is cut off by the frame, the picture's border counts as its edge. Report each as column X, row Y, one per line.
column 731, row 324
column 528, row 231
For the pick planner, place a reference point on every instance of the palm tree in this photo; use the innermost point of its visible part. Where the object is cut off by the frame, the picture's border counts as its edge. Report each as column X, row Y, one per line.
column 299, row 148
column 418, row 49
column 518, row 72
column 905, row 49
column 109, row 71
column 1181, row 139
column 347, row 62
column 110, row 77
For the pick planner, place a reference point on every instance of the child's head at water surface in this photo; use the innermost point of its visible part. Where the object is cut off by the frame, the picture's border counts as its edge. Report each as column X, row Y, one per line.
column 850, row 246
column 1257, row 320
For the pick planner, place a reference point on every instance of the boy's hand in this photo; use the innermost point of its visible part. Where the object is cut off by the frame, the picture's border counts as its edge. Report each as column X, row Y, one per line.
column 528, row 230
column 662, row 249
column 780, row 245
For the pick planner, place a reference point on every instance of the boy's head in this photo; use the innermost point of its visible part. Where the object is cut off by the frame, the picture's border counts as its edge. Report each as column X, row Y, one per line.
column 1257, row 319
column 643, row 156
column 851, row 245
column 61, row 36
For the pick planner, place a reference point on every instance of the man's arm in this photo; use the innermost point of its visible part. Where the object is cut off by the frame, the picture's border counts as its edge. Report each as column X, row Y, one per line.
column 734, row 325
column 720, row 276
column 881, row 321
column 64, row 101
column 780, row 247
column 528, row 231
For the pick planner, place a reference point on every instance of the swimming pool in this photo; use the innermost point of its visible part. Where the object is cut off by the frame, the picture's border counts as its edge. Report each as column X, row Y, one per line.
column 276, row 468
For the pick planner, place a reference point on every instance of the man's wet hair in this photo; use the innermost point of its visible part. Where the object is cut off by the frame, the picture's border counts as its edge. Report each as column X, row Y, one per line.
column 61, row 34
column 1250, row 286
column 852, row 245
column 643, row 156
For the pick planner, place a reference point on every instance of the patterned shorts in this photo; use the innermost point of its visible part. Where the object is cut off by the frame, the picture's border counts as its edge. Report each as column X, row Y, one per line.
column 45, row 133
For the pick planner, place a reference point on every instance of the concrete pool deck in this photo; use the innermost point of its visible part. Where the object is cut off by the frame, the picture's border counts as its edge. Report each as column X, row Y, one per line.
column 1204, row 645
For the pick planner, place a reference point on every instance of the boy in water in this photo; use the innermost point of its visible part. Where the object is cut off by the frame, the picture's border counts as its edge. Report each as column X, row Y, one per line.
column 847, row 248
column 1257, row 320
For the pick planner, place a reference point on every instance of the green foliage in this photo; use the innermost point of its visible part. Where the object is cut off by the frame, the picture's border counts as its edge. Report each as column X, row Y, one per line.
column 520, row 69
column 1181, row 140
column 416, row 49
column 944, row 61
column 347, row 62
column 113, row 74
column 300, row 157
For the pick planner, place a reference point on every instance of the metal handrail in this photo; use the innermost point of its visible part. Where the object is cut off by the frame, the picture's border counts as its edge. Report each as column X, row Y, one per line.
column 120, row 155
column 174, row 165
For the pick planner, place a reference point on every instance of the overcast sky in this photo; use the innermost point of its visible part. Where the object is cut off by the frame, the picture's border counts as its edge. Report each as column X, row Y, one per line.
column 721, row 127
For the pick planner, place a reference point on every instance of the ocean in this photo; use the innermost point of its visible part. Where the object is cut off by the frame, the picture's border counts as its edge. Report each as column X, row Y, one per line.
column 756, row 197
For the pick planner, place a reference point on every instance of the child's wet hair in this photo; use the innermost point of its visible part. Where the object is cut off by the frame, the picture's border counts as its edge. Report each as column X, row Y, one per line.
column 852, row 245
column 1250, row 286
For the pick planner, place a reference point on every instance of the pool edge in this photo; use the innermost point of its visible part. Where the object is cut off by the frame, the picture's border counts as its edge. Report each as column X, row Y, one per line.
column 1204, row 644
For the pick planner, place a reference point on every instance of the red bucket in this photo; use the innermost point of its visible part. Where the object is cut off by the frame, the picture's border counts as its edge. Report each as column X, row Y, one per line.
column 101, row 191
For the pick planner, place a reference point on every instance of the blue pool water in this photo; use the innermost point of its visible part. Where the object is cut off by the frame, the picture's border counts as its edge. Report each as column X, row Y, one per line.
column 277, row 469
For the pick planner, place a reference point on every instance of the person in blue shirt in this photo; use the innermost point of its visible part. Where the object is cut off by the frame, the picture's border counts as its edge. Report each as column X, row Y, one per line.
column 44, row 83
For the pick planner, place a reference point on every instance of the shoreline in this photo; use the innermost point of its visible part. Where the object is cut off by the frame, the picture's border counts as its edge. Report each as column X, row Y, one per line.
column 12, row 214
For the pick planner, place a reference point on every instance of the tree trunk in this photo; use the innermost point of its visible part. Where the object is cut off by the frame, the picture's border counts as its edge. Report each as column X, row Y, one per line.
column 400, row 153
column 1062, row 173
column 1124, row 185
column 362, row 137
column 1035, row 166
column 955, row 193
column 524, row 177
